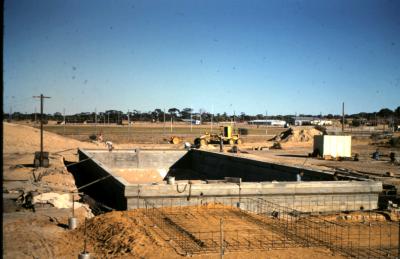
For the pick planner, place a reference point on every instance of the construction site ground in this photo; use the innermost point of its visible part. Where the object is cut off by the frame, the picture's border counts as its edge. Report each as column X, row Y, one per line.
column 44, row 233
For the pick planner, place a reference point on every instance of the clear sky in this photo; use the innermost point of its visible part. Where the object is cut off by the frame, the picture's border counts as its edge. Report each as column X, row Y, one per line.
column 283, row 57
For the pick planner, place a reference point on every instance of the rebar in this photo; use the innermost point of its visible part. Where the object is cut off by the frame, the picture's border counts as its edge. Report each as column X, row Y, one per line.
column 266, row 225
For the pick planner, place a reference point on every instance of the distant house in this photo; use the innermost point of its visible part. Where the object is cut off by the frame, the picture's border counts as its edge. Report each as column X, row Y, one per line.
column 303, row 121
column 279, row 123
column 322, row 122
column 189, row 121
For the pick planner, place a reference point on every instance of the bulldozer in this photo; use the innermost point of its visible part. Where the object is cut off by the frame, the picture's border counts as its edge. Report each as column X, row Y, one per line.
column 225, row 134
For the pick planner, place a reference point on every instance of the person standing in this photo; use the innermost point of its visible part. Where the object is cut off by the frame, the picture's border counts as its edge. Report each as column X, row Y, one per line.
column 221, row 144
column 109, row 145
column 299, row 176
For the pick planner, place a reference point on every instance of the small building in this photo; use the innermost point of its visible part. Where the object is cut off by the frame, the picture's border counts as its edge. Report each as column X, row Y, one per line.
column 278, row 123
column 322, row 122
column 193, row 121
column 303, row 121
column 332, row 145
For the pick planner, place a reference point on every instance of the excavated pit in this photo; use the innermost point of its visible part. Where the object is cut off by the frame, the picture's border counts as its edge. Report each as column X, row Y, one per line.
column 134, row 176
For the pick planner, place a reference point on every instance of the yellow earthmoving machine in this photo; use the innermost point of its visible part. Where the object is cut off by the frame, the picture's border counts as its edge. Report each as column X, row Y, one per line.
column 225, row 134
column 175, row 140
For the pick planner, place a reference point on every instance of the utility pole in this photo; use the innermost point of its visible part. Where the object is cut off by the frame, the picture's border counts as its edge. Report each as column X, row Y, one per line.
column 191, row 122
column 171, row 121
column 342, row 117
column 11, row 103
column 234, row 121
column 221, row 238
column 129, row 125
column 41, row 126
column 95, row 119
column 164, row 122
column 212, row 118
column 64, row 121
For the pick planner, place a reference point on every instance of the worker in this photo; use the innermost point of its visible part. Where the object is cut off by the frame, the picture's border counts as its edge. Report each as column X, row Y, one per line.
column 221, row 144
column 109, row 145
column 100, row 137
column 392, row 157
column 375, row 155
column 299, row 176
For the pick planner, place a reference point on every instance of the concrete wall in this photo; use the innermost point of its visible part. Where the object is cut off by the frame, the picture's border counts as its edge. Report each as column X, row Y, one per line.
column 303, row 196
column 306, row 196
column 109, row 191
column 136, row 158
column 214, row 166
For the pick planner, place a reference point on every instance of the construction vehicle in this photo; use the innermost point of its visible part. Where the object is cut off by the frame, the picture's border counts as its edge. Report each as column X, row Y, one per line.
column 175, row 140
column 225, row 134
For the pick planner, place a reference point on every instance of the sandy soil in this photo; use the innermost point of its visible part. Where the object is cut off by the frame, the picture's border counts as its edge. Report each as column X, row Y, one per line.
column 43, row 233
column 29, row 234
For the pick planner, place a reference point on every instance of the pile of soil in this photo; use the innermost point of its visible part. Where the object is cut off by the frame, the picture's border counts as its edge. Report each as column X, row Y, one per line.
column 21, row 138
column 118, row 234
column 297, row 135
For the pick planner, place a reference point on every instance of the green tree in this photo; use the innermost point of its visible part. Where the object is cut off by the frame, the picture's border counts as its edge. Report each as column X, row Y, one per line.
column 385, row 113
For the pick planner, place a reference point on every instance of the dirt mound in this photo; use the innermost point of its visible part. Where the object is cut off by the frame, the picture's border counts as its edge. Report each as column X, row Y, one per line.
column 297, row 135
column 24, row 139
column 119, row 234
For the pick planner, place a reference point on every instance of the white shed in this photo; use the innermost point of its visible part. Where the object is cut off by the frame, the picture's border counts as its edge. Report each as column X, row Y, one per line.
column 332, row 145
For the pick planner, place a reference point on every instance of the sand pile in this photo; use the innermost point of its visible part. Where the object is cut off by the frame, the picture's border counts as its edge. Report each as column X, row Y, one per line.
column 297, row 135
column 119, row 233
column 24, row 139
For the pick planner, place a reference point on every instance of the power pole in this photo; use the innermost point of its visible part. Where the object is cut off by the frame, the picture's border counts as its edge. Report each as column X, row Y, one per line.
column 171, row 121
column 221, row 238
column 342, row 117
column 95, row 119
column 212, row 118
column 64, row 121
column 164, row 122
column 41, row 126
column 129, row 125
column 234, row 121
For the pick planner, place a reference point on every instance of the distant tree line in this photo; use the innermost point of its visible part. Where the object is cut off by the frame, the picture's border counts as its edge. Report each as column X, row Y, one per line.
column 383, row 116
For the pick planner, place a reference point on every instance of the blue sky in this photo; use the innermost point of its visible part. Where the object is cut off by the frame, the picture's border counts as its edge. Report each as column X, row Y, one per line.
column 283, row 57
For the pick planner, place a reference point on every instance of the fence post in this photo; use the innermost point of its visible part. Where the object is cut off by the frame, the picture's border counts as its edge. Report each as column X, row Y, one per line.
column 398, row 242
column 221, row 238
